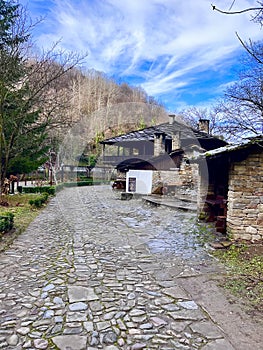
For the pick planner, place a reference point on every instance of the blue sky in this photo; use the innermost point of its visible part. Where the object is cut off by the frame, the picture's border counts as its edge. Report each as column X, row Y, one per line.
column 180, row 51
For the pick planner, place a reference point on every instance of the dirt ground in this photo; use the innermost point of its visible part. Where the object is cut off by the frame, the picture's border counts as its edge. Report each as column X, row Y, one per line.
column 253, row 250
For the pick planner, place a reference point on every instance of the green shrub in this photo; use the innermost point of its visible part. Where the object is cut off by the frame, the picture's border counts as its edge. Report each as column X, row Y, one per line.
column 39, row 200
column 40, row 189
column 6, row 222
column 78, row 183
column 19, row 189
column 51, row 190
column 31, row 190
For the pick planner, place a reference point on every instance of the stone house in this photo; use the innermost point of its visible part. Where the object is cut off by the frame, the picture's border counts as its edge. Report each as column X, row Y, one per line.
column 163, row 149
column 233, row 195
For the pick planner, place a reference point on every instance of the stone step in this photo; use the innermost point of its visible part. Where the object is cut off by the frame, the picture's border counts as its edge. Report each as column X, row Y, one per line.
column 171, row 203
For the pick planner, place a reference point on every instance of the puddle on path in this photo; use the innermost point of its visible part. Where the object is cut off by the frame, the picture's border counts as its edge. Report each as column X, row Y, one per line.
column 162, row 229
column 176, row 240
column 173, row 232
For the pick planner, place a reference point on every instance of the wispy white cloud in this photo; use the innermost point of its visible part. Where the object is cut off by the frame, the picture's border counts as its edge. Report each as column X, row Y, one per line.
column 163, row 43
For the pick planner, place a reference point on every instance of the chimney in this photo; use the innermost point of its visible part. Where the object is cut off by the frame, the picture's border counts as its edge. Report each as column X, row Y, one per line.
column 159, row 143
column 171, row 118
column 203, row 125
column 176, row 140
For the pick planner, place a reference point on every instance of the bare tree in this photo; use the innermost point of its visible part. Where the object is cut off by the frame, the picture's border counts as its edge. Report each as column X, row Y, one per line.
column 28, row 108
column 257, row 17
column 192, row 115
column 239, row 114
column 241, row 109
column 94, row 96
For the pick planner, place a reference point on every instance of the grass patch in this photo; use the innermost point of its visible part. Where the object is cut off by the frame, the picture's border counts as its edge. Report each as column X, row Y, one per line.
column 202, row 231
column 245, row 273
column 24, row 214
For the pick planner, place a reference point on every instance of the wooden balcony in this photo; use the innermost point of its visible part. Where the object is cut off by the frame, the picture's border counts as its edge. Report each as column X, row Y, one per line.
column 115, row 160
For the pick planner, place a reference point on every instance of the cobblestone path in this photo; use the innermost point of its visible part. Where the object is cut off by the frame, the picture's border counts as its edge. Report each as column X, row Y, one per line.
column 87, row 274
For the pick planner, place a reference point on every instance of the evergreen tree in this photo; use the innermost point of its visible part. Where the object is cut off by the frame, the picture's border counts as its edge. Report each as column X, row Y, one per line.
column 29, row 103
column 22, row 134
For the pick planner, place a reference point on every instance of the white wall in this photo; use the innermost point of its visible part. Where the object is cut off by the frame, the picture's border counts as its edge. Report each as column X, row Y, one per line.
column 142, row 180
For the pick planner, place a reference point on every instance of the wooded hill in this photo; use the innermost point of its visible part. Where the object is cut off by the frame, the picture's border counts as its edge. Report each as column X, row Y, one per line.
column 109, row 107
column 45, row 99
column 97, row 107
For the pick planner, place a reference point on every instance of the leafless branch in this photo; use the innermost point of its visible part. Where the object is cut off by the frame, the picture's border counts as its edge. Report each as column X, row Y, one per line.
column 248, row 49
column 233, row 2
column 236, row 12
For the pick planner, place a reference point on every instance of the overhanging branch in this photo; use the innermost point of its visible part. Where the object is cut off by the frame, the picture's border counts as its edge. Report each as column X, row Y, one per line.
column 248, row 49
column 236, row 12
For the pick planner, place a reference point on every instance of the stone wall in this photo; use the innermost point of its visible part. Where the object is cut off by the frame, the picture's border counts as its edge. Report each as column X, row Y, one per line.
column 245, row 198
column 166, row 177
column 185, row 176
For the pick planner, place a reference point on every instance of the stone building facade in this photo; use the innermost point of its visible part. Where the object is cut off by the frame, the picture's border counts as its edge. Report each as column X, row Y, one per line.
column 232, row 191
column 159, row 147
column 245, row 198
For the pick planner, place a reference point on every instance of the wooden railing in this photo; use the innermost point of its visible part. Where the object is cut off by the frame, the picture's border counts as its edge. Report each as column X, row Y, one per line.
column 114, row 160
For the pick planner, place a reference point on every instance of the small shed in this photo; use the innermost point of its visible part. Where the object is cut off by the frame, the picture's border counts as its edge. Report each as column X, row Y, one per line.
column 235, row 189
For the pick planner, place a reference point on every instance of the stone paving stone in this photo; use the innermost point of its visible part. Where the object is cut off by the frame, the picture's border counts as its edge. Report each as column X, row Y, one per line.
column 83, row 277
column 79, row 306
column 13, row 340
column 79, row 293
column 206, row 328
column 72, row 342
column 76, row 316
column 189, row 305
column 219, row 344
column 186, row 314
column 40, row 343
column 176, row 292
